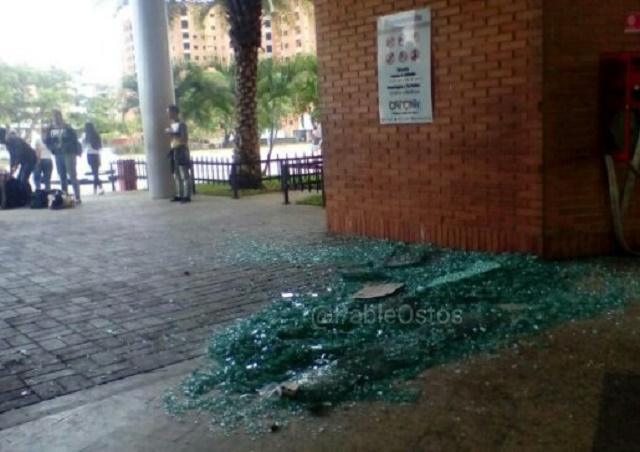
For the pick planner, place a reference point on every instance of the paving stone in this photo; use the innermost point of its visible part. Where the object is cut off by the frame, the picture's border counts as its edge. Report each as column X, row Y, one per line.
column 80, row 326
column 10, row 383
column 18, row 339
column 8, row 314
column 23, row 319
column 126, row 371
column 56, row 313
column 52, row 333
column 80, row 300
column 72, row 383
column 95, row 336
column 17, row 393
column 100, row 323
column 77, row 351
column 43, row 370
column 48, row 390
column 52, row 344
column 50, row 376
column 105, row 358
column 42, row 357
column 107, row 369
column 110, row 343
column 27, row 310
column 82, row 365
column 47, row 324
column 72, row 339
column 19, row 402
column 7, row 333
column 28, row 328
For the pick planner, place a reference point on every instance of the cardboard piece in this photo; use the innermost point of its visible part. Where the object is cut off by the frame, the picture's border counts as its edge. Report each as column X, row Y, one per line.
column 289, row 388
column 371, row 291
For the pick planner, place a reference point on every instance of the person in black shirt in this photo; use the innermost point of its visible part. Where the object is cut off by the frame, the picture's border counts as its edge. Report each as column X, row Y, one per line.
column 63, row 142
column 20, row 155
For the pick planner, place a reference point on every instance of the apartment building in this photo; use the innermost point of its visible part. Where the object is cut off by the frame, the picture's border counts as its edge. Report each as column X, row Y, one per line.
column 202, row 36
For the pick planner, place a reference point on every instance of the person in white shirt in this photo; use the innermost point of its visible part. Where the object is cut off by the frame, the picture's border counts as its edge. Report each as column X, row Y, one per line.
column 316, row 138
column 92, row 143
column 44, row 164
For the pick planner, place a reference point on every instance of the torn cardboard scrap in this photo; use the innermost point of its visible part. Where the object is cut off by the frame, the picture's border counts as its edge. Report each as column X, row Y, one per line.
column 289, row 388
column 371, row 291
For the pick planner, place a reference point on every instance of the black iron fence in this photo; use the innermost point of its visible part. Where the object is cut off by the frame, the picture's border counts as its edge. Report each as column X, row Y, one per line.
column 293, row 173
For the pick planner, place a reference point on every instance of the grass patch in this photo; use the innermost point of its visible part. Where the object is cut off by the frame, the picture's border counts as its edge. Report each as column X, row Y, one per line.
column 269, row 186
column 311, row 200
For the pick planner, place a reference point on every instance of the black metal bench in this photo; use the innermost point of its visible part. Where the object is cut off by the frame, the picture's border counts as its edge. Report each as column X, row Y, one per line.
column 305, row 174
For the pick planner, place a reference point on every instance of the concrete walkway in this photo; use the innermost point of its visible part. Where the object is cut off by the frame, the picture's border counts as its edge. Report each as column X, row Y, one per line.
column 123, row 285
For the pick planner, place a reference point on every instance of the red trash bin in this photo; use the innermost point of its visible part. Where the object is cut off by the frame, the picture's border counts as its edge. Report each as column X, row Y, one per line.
column 127, row 177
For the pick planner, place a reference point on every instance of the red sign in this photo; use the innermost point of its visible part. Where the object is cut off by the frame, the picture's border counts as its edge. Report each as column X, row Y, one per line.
column 633, row 23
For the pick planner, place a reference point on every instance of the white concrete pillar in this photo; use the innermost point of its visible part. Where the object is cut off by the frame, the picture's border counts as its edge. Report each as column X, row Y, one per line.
column 155, row 88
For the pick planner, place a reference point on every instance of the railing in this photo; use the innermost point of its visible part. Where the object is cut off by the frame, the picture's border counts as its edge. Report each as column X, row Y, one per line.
column 293, row 173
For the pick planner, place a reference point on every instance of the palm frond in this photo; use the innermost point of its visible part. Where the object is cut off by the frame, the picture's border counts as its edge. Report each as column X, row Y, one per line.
column 245, row 21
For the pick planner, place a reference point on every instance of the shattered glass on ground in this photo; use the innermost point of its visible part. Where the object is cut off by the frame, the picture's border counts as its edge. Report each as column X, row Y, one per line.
column 308, row 352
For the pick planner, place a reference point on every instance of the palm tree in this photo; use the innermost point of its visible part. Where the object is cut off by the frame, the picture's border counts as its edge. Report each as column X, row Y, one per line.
column 202, row 94
column 245, row 30
column 305, row 84
column 225, row 111
column 285, row 87
column 275, row 81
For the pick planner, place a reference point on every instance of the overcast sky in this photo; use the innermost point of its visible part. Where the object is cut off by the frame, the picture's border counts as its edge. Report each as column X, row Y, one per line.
column 69, row 34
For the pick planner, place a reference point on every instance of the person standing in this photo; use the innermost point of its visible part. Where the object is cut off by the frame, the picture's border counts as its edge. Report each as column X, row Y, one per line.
column 44, row 164
column 63, row 142
column 92, row 144
column 181, row 159
column 20, row 155
column 316, row 138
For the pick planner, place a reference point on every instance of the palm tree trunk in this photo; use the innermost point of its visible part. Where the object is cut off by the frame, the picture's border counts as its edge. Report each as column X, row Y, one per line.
column 247, row 138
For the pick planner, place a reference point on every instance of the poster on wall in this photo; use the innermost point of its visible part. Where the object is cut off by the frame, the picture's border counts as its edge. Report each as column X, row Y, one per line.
column 404, row 67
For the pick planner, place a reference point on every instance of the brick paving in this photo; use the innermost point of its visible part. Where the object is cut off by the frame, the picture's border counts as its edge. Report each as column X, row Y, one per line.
column 124, row 285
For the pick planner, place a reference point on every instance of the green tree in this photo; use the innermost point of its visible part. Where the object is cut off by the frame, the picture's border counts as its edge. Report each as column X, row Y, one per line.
column 202, row 94
column 305, row 84
column 224, row 113
column 29, row 94
column 285, row 87
column 129, row 97
column 275, row 82
column 103, row 110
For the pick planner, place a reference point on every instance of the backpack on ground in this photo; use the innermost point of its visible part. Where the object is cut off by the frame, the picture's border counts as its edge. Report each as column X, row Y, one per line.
column 17, row 194
column 40, row 199
column 59, row 200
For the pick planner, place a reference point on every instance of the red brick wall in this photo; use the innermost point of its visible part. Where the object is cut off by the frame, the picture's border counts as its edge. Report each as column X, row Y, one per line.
column 473, row 178
column 576, row 207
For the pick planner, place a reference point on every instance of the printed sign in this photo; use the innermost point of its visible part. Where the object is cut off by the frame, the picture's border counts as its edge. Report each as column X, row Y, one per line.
column 404, row 67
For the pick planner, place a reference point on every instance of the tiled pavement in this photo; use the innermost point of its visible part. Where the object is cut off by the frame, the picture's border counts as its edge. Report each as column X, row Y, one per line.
column 122, row 285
